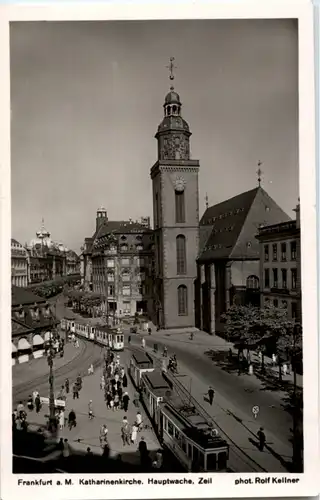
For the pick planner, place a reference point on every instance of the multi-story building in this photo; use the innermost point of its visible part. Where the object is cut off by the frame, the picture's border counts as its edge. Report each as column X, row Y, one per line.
column 229, row 257
column 176, row 219
column 120, row 256
column 32, row 320
column 48, row 260
column 19, row 264
column 280, row 265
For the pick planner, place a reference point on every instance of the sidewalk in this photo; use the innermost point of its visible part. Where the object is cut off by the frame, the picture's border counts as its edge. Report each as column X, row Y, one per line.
column 86, row 434
column 239, row 431
column 202, row 339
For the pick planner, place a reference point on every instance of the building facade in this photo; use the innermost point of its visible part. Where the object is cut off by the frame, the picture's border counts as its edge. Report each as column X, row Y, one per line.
column 48, row 260
column 280, row 266
column 229, row 257
column 32, row 321
column 19, row 264
column 176, row 219
column 120, row 257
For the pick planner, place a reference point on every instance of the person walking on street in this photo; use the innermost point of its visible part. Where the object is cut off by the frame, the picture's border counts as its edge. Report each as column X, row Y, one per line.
column 61, row 420
column 144, row 453
column 102, row 383
column 38, row 403
column 67, row 385
column 75, row 390
column 90, row 410
column 134, row 432
column 79, row 382
column 129, row 339
column 72, row 422
column 211, row 395
column 143, row 343
column 103, row 435
column 262, row 439
column 125, row 433
column 125, row 381
column 116, row 401
column 125, row 401
column 66, row 449
column 30, row 403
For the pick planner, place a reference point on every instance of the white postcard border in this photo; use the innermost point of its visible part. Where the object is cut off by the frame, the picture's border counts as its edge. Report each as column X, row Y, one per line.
column 223, row 485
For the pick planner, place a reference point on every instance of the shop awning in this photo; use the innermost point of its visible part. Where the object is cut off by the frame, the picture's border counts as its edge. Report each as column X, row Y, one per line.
column 37, row 340
column 23, row 344
column 47, row 336
column 14, row 349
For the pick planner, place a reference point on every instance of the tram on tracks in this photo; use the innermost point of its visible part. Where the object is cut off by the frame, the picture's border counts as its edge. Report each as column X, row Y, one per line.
column 179, row 425
column 112, row 338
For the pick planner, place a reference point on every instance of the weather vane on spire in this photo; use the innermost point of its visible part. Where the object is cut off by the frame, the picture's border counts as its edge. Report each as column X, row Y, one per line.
column 207, row 200
column 259, row 172
column 171, row 67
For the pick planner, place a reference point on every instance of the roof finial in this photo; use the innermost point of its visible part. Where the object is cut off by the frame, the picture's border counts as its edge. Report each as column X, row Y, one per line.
column 259, row 172
column 207, row 201
column 171, row 67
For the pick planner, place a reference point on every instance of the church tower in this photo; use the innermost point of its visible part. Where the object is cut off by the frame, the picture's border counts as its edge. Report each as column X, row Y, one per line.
column 176, row 218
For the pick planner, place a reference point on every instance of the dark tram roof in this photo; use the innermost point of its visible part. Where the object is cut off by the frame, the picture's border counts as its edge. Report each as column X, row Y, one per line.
column 158, row 384
column 142, row 358
column 194, row 426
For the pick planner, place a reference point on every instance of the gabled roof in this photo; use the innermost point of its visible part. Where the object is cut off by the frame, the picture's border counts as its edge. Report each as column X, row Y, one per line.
column 228, row 229
column 22, row 296
column 18, row 328
column 120, row 227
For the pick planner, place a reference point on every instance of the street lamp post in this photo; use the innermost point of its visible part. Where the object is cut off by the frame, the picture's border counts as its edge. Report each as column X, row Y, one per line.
column 50, row 357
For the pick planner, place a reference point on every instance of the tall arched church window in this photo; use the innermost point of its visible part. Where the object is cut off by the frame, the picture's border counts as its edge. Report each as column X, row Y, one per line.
column 182, row 300
column 180, row 207
column 181, row 254
column 253, row 282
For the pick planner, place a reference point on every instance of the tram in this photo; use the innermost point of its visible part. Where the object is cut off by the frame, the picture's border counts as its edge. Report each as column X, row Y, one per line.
column 102, row 335
column 180, row 426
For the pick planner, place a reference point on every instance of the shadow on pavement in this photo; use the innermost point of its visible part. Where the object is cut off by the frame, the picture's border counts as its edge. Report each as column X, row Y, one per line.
column 34, row 452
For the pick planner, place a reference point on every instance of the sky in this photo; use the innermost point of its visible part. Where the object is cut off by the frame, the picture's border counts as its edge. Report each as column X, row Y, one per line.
column 87, row 98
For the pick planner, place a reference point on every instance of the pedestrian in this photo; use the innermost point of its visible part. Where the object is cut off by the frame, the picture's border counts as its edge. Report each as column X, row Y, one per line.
column 285, row 369
column 106, row 451
column 138, row 421
column 116, row 401
column 90, row 410
column 61, row 420
column 66, row 449
column 122, row 371
column 34, row 395
column 211, row 395
column 102, row 382
column 37, row 403
column 134, row 432
column 75, row 390
column 125, row 434
column 143, row 343
column 20, row 408
column 108, row 399
column 60, row 445
column 67, row 385
column 89, row 452
column 79, row 382
column 149, row 331
column 262, row 438
column 129, row 339
column 125, row 401
column 144, row 453
column 112, row 403
column 125, row 381
column 72, row 422
column 103, row 437
column 30, row 403
column 116, row 378
column 274, row 359
column 165, row 352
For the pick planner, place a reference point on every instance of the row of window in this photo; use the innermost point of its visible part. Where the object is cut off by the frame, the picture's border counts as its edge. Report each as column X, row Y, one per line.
column 214, row 460
column 283, row 251
column 126, row 290
column 283, row 304
column 284, row 278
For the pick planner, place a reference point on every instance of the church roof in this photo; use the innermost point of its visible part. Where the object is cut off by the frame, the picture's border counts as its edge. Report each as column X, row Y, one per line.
column 173, row 123
column 228, row 229
column 120, row 227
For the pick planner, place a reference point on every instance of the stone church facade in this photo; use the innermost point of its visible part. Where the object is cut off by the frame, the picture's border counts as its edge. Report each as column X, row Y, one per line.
column 176, row 220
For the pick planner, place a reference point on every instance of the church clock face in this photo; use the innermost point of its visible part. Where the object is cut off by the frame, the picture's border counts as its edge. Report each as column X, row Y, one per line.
column 179, row 184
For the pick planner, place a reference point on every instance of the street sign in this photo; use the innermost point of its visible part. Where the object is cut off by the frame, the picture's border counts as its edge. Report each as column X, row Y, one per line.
column 255, row 411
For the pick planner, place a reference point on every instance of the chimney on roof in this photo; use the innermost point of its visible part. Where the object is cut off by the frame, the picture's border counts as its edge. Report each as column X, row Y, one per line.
column 297, row 211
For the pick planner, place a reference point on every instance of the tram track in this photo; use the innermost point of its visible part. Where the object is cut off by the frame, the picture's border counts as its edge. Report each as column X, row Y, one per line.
column 236, row 453
column 89, row 354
